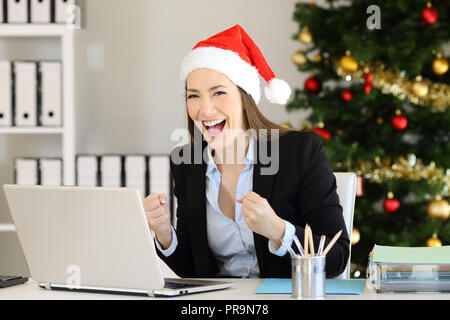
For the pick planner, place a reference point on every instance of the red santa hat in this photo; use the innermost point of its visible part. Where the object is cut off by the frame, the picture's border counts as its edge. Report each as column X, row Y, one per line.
column 233, row 53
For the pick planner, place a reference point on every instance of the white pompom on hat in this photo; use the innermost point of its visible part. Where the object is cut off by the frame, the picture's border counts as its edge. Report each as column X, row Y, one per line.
column 233, row 53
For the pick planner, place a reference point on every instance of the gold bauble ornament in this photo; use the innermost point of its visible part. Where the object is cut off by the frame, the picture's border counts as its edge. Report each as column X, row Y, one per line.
column 348, row 63
column 305, row 36
column 438, row 209
column 434, row 241
column 419, row 88
column 317, row 58
column 439, row 65
column 299, row 58
column 355, row 236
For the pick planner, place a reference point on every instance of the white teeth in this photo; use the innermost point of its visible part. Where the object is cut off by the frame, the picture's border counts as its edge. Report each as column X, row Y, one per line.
column 213, row 123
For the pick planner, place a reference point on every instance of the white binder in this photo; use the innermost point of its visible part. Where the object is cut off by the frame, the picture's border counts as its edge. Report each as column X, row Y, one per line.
column 26, row 171
column 50, row 85
column 87, row 169
column 40, row 11
column 25, row 93
column 111, row 168
column 135, row 173
column 62, row 10
column 159, row 175
column 51, row 172
column 5, row 94
column 2, row 13
column 17, row 11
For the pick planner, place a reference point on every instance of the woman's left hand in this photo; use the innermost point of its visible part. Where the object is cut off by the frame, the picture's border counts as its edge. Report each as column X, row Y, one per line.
column 260, row 217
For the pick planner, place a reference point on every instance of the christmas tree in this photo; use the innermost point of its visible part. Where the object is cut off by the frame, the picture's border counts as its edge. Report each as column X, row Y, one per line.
column 379, row 95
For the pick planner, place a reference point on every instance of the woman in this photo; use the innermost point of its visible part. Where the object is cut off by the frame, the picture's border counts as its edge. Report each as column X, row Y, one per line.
column 235, row 204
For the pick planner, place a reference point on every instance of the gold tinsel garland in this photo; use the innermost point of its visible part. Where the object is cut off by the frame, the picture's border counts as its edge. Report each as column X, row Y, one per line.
column 437, row 95
column 382, row 170
column 408, row 168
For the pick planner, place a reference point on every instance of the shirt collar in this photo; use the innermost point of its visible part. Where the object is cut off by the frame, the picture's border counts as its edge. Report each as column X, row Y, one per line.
column 249, row 159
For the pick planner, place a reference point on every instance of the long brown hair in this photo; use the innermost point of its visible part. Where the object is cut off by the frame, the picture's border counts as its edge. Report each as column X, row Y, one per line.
column 253, row 118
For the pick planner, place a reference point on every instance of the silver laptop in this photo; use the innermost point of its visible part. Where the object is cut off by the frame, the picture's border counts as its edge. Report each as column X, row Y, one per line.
column 92, row 239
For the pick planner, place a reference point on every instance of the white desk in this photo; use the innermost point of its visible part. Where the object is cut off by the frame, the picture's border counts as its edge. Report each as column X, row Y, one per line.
column 242, row 290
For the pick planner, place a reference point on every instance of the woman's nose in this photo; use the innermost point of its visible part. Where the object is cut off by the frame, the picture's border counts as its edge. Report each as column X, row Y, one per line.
column 207, row 107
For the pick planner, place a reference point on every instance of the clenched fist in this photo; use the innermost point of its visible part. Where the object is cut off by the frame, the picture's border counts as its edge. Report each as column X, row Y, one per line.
column 158, row 218
column 260, row 217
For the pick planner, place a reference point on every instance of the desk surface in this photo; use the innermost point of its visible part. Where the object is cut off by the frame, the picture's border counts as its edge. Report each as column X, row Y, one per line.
column 242, row 290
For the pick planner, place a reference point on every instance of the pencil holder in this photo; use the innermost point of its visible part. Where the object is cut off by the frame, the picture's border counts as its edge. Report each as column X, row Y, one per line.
column 308, row 277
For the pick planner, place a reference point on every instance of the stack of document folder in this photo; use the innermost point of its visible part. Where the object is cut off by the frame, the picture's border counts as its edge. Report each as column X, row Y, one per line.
column 409, row 269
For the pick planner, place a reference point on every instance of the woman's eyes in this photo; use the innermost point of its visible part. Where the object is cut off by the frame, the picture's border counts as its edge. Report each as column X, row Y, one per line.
column 218, row 93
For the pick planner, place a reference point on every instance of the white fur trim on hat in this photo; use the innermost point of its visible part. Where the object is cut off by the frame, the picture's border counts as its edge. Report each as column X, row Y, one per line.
column 226, row 62
column 278, row 91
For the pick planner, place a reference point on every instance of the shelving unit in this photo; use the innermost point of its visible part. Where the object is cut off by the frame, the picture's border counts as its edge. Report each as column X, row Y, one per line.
column 66, row 38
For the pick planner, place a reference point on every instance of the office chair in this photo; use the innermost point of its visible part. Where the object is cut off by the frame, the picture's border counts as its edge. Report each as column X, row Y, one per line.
column 346, row 190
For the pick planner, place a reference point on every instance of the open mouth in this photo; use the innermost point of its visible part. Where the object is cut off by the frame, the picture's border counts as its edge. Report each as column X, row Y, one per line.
column 214, row 127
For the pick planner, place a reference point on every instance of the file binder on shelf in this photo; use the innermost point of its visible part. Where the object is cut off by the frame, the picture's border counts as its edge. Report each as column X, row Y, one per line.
column 135, row 171
column 26, row 171
column 159, row 176
column 17, row 11
column 50, row 171
column 87, row 171
column 2, row 12
column 5, row 94
column 25, row 94
column 62, row 10
column 50, row 93
column 111, row 171
column 40, row 11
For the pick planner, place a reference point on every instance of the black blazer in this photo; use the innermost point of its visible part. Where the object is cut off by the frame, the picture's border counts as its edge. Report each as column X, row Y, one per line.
column 302, row 191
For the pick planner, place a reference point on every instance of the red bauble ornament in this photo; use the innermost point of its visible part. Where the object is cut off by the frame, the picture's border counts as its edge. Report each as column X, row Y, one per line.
column 313, row 85
column 367, row 78
column 391, row 205
column 367, row 82
column 399, row 122
column 324, row 133
column 429, row 15
column 347, row 95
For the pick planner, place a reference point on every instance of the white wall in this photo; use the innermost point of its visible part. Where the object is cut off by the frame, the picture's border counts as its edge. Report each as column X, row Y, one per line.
column 131, row 51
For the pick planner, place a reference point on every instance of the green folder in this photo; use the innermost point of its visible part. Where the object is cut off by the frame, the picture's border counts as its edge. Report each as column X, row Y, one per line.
column 413, row 255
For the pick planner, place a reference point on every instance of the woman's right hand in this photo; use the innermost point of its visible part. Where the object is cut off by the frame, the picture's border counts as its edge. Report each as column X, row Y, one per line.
column 158, row 218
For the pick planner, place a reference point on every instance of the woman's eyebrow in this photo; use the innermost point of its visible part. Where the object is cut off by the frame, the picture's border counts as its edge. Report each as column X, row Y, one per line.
column 210, row 89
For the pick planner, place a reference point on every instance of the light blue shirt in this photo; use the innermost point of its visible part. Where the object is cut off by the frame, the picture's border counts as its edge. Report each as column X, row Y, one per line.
column 231, row 242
